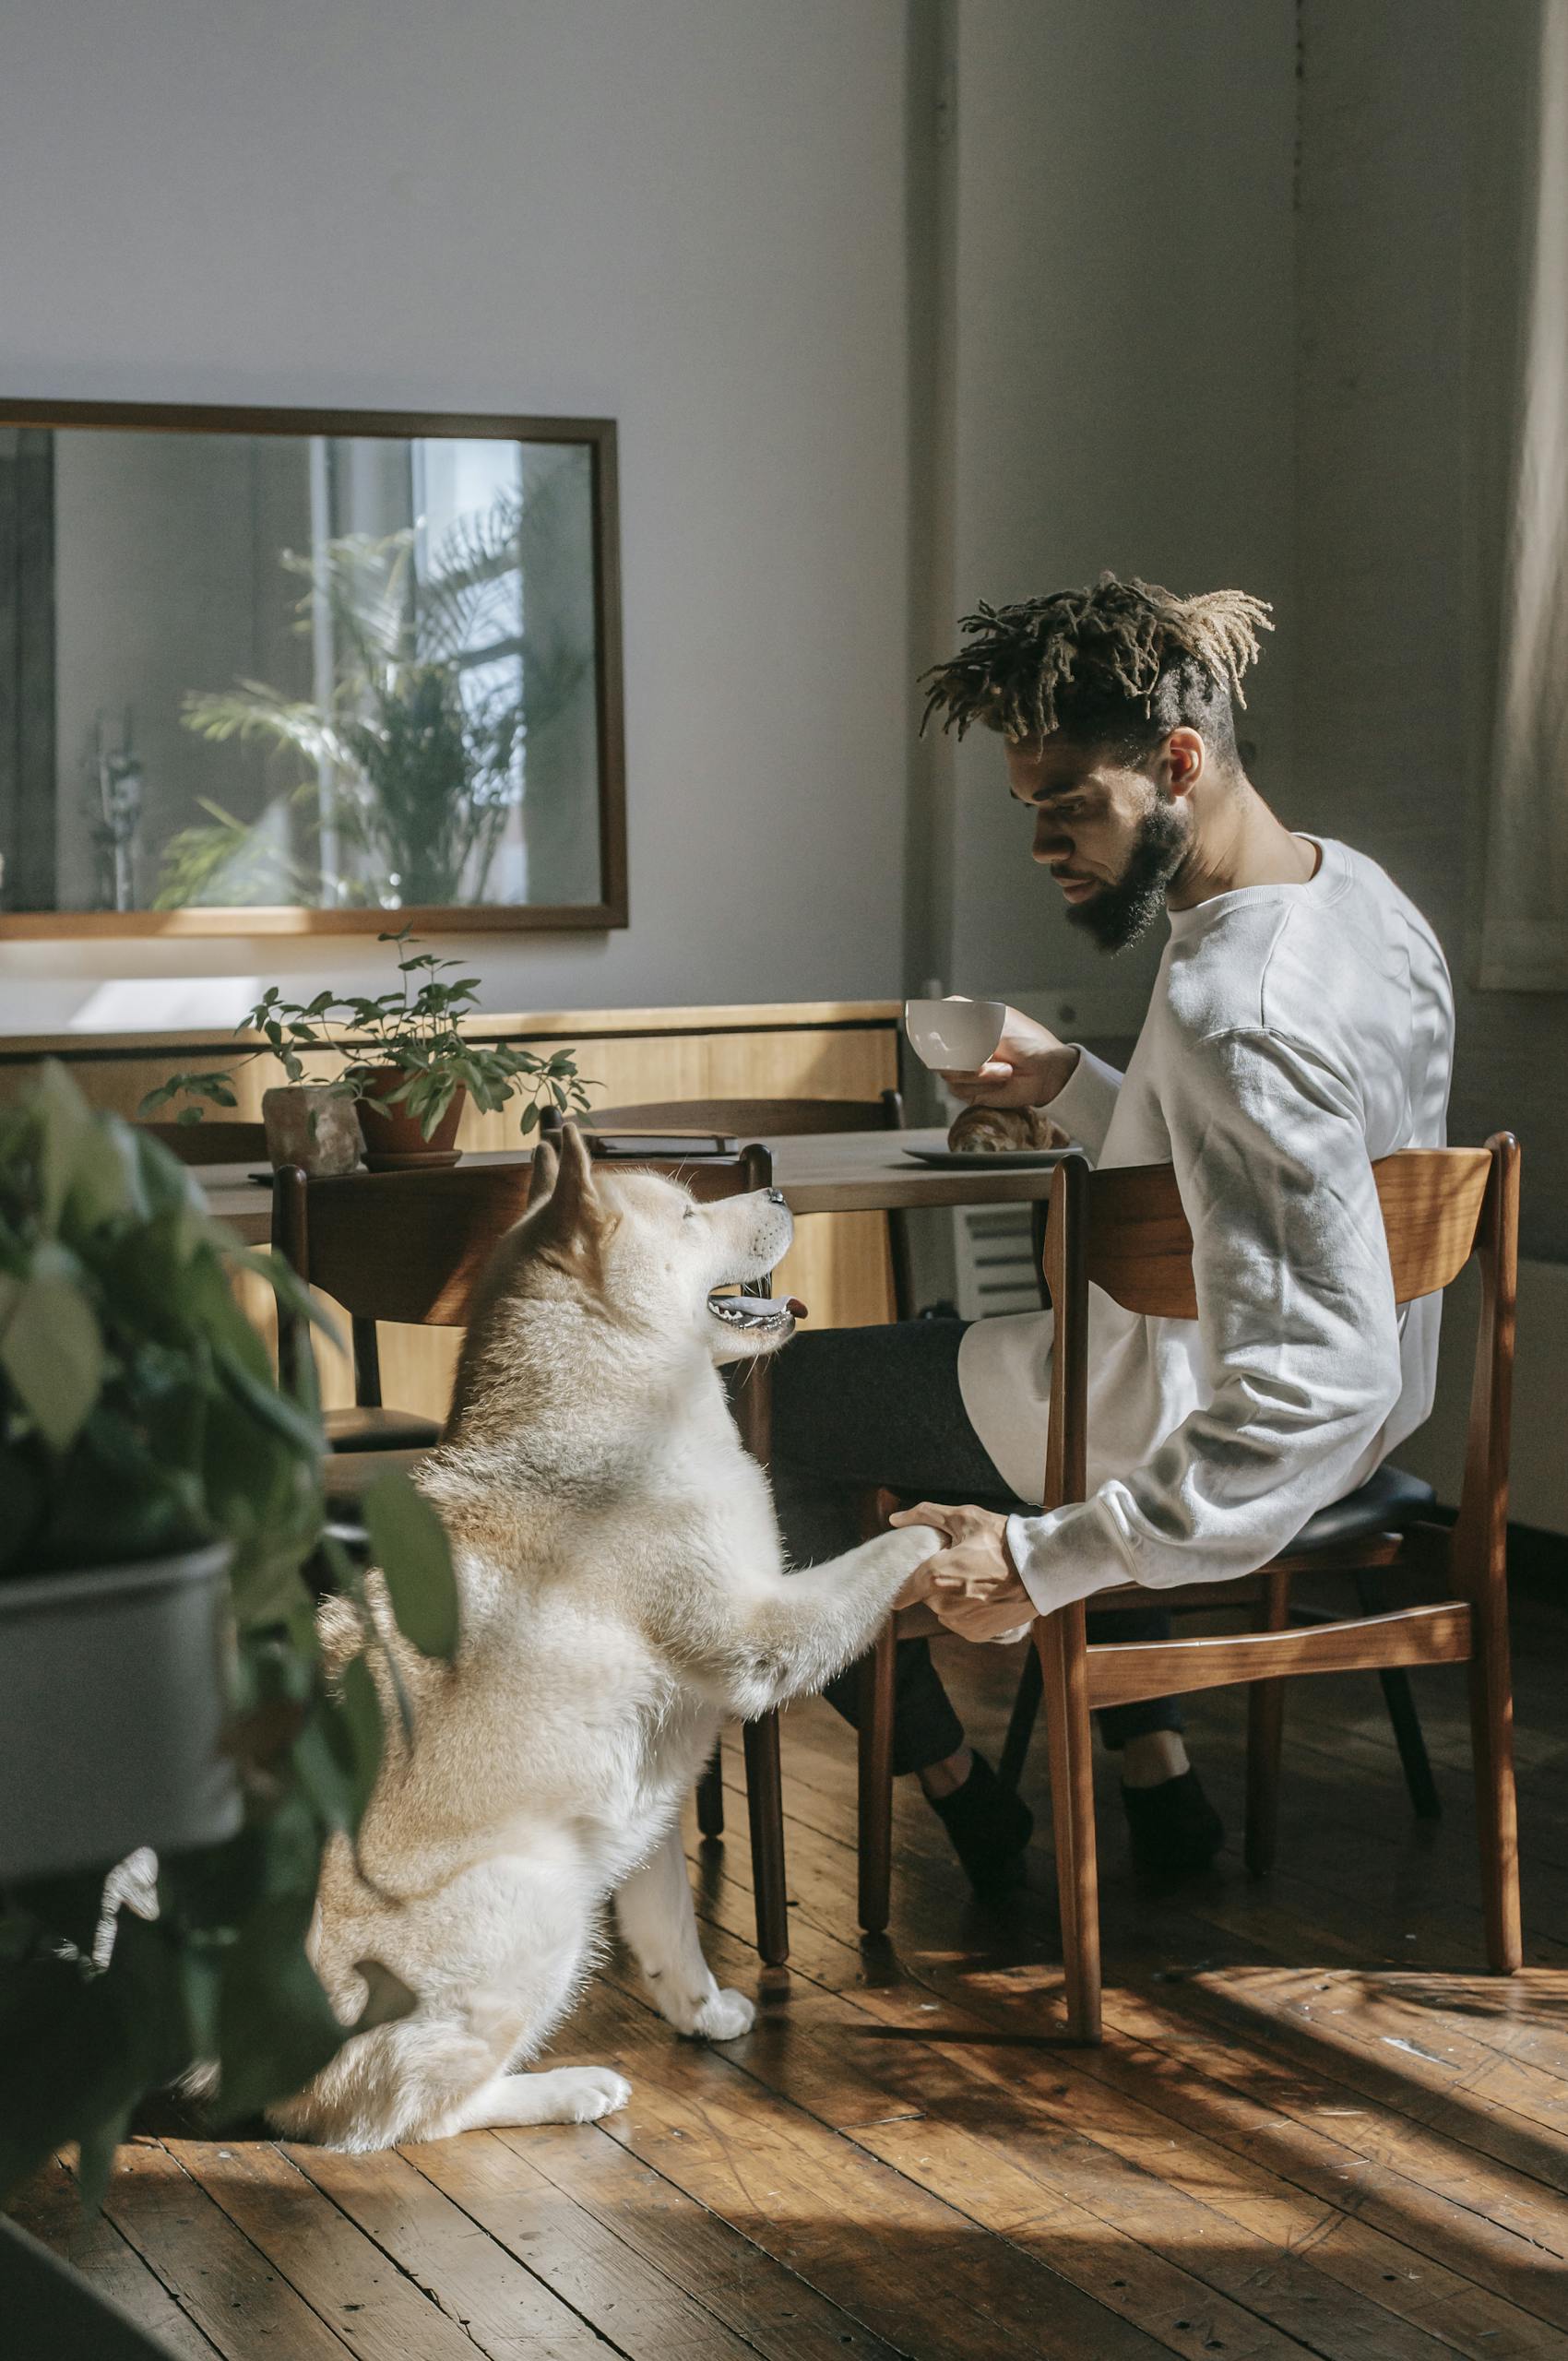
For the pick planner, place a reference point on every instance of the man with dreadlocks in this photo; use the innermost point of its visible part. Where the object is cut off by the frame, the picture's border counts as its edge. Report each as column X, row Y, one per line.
column 1300, row 1027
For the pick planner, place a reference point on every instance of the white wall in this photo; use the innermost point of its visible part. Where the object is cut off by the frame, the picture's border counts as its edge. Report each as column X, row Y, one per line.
column 1390, row 460
column 1186, row 299
column 1124, row 369
column 684, row 214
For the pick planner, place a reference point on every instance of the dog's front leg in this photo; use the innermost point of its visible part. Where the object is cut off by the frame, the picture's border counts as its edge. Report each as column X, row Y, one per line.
column 806, row 1627
column 660, row 1925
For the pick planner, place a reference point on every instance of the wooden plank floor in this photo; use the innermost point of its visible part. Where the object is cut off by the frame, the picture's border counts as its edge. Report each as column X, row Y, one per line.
column 1314, row 2128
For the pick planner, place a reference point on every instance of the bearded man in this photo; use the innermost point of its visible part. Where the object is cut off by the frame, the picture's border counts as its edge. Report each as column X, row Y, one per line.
column 1300, row 1027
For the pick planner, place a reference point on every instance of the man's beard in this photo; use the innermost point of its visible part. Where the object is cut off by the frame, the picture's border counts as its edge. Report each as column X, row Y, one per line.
column 1116, row 915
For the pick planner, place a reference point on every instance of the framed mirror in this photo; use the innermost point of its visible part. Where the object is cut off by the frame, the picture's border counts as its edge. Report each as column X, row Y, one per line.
column 279, row 672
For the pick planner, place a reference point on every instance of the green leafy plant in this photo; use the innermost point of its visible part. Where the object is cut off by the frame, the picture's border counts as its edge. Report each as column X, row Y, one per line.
column 415, row 1029
column 225, row 859
column 139, row 1417
column 417, row 752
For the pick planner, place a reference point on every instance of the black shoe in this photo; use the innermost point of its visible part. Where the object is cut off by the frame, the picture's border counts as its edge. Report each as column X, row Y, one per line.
column 1175, row 1830
column 989, row 1827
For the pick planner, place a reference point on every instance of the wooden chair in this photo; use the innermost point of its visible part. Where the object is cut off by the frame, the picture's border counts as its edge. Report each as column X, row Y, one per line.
column 368, row 1425
column 410, row 1246
column 1124, row 1231
column 219, row 1142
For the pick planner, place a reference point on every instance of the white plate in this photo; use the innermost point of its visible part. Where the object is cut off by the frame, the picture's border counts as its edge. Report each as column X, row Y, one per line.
column 971, row 1160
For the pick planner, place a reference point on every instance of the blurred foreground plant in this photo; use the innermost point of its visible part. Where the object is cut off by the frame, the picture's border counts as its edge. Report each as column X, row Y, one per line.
column 139, row 1417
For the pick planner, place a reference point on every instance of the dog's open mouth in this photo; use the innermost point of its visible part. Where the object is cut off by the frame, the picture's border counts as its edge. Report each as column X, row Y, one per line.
column 757, row 1314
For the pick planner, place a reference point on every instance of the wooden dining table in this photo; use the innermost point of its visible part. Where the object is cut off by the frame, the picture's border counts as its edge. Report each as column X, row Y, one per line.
column 822, row 1172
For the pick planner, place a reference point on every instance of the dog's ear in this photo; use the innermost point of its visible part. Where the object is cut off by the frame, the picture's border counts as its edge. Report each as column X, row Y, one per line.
column 541, row 1180
column 574, row 1195
column 567, row 1224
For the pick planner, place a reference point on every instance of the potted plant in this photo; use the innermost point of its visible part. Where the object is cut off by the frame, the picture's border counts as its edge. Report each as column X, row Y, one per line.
column 409, row 1066
column 160, row 1679
column 414, row 747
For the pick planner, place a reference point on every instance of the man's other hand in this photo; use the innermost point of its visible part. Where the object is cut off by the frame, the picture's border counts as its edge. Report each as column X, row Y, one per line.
column 972, row 1586
column 1027, row 1068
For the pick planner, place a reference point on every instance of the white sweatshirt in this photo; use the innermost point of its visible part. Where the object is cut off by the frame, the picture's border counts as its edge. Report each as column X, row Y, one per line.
column 1296, row 1034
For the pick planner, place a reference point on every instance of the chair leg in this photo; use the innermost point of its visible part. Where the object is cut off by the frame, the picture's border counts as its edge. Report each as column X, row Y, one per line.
column 1401, row 1700
column 1492, row 1740
column 765, row 1807
column 1021, row 1728
column 875, row 1748
column 1265, row 1732
column 710, row 1796
column 1064, row 1680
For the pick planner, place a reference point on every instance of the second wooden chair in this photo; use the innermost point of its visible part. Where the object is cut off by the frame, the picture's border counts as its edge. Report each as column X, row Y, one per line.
column 1125, row 1232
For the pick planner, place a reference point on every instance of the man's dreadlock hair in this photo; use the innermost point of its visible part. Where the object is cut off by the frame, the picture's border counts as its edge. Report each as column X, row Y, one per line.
column 1119, row 665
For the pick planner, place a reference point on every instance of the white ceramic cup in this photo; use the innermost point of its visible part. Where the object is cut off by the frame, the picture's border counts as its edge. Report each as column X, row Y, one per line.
column 955, row 1034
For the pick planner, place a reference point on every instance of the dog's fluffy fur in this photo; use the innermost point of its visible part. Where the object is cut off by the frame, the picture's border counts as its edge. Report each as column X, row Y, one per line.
column 623, row 1592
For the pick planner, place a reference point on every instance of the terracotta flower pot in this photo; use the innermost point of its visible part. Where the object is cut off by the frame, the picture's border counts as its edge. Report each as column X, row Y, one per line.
column 393, row 1140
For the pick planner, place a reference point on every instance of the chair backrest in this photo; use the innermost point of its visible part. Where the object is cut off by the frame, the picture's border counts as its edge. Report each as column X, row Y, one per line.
column 754, row 1118
column 1137, row 1246
column 1123, row 1230
column 410, row 1246
column 217, row 1142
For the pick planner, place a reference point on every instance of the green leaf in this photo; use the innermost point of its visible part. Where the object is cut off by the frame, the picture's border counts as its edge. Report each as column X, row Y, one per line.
column 67, row 1133
column 360, row 1709
column 274, row 1410
column 276, row 2026
column 95, row 2157
column 105, row 1185
column 52, row 1349
column 410, row 1544
column 338, row 1753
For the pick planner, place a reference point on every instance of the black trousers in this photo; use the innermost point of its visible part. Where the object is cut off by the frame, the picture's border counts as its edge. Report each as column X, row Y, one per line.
column 858, row 1407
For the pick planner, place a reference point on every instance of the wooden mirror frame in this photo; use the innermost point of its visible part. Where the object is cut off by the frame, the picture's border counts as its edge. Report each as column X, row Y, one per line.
column 599, row 434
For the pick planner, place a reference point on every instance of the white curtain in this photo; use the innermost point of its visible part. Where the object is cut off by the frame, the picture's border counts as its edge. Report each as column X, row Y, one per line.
column 1523, row 930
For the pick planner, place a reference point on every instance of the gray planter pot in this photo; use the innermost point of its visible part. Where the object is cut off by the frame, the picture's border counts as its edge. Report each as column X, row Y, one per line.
column 112, row 1705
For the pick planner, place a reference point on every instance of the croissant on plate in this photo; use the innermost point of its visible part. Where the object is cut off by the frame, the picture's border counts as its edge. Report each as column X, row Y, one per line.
column 994, row 1131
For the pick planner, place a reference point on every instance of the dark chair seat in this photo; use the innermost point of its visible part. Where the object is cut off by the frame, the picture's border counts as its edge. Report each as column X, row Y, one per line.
column 1386, row 1502
column 347, row 1475
column 368, row 1427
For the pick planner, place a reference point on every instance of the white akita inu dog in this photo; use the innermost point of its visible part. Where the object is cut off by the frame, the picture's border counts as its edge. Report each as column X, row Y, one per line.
column 623, row 1593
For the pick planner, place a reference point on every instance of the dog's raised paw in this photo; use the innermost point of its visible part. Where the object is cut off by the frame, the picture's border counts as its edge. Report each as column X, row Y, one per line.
column 725, row 2017
column 911, row 1545
column 585, row 2093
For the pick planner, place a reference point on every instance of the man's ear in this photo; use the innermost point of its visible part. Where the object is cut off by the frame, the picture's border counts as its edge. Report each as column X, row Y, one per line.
column 541, row 1180
column 1184, row 759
